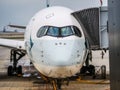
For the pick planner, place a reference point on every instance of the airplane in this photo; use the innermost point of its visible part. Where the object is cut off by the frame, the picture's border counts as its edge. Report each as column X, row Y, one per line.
column 55, row 43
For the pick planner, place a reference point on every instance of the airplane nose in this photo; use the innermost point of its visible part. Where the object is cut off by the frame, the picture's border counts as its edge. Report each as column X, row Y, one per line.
column 63, row 59
column 61, row 54
column 59, row 57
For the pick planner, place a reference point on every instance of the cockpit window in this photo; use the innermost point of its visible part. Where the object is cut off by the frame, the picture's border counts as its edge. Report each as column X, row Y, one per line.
column 53, row 31
column 58, row 31
column 66, row 31
column 77, row 31
column 41, row 31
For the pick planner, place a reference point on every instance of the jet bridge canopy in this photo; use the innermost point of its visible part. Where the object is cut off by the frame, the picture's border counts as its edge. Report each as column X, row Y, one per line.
column 92, row 21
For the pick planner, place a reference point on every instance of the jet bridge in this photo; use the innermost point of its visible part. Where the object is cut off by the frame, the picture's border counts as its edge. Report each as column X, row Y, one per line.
column 94, row 25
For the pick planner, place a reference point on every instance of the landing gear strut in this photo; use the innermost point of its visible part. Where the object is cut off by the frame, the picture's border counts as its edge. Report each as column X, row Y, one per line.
column 15, row 56
column 57, row 83
column 88, row 69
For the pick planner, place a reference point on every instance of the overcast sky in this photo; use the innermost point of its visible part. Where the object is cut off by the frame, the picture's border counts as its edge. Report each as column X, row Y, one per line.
column 20, row 11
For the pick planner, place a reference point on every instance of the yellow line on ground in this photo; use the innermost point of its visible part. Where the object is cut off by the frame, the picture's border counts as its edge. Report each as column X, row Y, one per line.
column 91, row 81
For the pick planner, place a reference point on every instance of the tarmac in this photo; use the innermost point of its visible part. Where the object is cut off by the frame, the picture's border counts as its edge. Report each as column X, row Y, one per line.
column 30, row 81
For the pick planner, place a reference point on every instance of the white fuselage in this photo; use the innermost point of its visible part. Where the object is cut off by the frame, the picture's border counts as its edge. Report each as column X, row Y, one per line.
column 55, row 56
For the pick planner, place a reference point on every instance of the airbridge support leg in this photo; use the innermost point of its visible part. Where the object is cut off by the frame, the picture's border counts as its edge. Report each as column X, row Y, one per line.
column 15, row 56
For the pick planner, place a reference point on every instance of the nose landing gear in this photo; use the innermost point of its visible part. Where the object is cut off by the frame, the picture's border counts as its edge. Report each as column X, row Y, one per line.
column 57, row 83
column 15, row 56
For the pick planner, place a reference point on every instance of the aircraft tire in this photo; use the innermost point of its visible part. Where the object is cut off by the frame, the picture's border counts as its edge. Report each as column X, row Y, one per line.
column 10, row 71
column 19, row 70
column 91, row 69
column 83, row 70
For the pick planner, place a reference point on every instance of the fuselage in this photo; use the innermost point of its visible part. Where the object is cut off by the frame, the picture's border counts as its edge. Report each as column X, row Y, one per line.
column 55, row 42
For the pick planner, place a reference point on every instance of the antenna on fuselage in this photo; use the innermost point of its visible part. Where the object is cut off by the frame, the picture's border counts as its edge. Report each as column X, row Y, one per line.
column 47, row 3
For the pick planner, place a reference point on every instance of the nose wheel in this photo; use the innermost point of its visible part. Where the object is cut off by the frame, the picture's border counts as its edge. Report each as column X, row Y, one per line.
column 10, row 71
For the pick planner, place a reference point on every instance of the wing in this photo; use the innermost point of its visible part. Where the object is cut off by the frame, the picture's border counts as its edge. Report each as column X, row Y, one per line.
column 17, row 26
column 12, row 43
